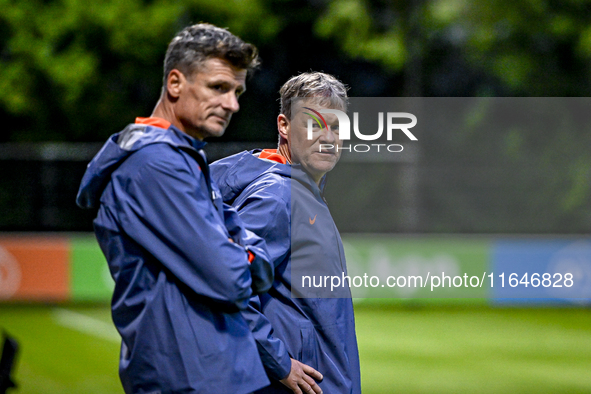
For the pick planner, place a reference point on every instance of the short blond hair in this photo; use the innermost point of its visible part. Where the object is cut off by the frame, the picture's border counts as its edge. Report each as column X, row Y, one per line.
column 327, row 88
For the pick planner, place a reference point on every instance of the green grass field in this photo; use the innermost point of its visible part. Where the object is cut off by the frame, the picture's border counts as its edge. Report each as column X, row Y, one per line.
column 428, row 349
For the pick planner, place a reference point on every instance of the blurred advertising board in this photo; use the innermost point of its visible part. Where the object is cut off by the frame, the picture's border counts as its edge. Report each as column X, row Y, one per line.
column 523, row 270
column 53, row 268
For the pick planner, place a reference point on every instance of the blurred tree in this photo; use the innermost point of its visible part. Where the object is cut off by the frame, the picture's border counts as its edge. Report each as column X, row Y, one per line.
column 74, row 70
column 534, row 47
column 487, row 48
column 69, row 67
column 517, row 48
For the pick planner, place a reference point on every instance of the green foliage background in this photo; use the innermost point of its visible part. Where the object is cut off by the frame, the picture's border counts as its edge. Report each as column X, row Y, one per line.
column 79, row 71
column 74, row 70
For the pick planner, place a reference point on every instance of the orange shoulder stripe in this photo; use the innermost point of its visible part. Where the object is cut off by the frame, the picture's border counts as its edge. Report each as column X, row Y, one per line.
column 271, row 154
column 157, row 122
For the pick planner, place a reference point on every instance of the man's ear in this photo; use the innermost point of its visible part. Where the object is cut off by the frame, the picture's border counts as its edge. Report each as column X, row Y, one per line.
column 283, row 127
column 175, row 83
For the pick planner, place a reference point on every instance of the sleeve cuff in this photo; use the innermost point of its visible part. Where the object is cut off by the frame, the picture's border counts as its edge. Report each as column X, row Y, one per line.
column 279, row 370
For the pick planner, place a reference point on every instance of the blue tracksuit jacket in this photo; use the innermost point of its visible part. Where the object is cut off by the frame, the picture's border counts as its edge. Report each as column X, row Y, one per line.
column 179, row 282
column 284, row 206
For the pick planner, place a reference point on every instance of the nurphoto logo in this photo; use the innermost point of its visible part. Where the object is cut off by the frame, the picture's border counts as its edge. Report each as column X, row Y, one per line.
column 345, row 129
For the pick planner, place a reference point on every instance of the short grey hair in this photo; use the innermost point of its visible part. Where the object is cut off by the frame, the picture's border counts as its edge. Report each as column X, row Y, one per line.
column 192, row 46
column 325, row 87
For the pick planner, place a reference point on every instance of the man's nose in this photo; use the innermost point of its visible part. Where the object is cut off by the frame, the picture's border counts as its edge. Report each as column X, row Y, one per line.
column 328, row 135
column 230, row 102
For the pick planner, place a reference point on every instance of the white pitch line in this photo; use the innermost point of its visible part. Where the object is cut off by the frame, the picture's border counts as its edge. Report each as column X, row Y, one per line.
column 85, row 324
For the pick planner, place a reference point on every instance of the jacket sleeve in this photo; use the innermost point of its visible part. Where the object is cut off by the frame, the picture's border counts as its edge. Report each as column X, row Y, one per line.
column 261, row 267
column 267, row 215
column 273, row 353
column 165, row 207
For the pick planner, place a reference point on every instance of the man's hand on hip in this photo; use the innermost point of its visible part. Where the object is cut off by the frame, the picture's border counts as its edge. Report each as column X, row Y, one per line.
column 302, row 379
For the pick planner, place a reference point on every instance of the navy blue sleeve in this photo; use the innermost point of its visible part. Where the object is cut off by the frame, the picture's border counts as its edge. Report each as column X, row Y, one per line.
column 273, row 353
column 261, row 268
column 167, row 210
column 267, row 214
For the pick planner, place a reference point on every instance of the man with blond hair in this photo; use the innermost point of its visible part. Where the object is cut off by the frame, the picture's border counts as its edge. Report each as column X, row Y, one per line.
column 307, row 343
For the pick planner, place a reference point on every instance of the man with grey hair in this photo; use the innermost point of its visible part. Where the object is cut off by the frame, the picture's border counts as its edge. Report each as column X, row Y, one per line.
column 308, row 345
column 184, row 265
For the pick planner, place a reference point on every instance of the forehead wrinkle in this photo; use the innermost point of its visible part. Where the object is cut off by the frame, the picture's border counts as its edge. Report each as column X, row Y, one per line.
column 219, row 68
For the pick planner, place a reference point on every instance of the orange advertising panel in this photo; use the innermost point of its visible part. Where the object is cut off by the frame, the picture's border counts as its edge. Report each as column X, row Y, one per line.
column 34, row 268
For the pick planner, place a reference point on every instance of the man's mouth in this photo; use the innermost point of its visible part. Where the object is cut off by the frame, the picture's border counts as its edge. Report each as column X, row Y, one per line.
column 224, row 119
column 326, row 151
